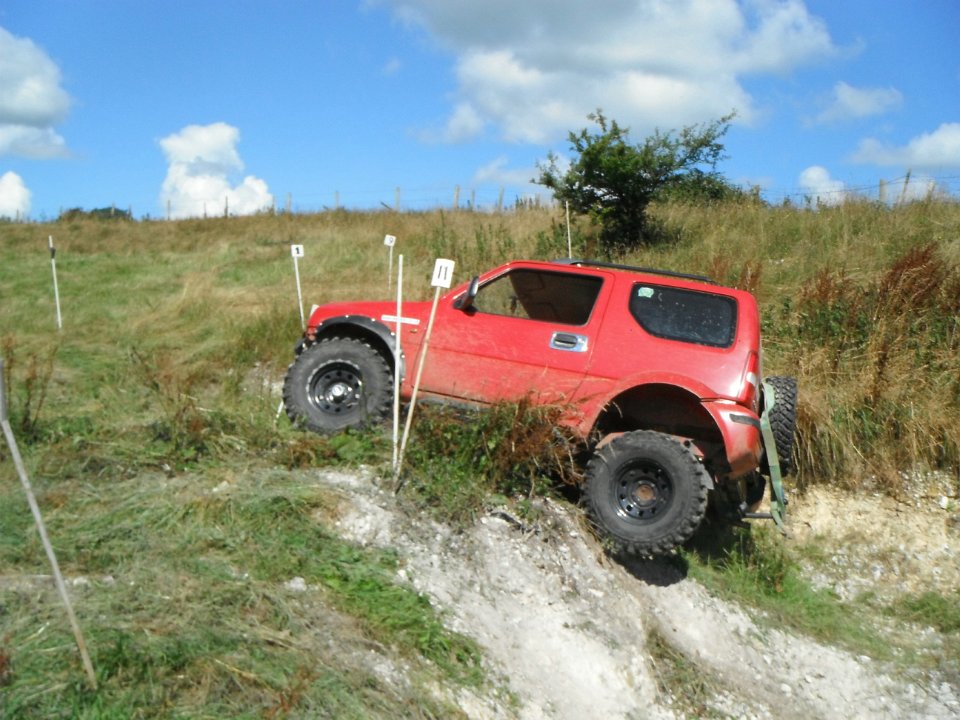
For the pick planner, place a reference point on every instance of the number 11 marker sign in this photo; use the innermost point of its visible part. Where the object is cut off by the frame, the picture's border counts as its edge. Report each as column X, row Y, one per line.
column 442, row 277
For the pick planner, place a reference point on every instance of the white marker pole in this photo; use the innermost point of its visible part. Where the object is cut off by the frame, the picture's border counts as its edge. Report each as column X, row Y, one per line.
column 442, row 275
column 56, row 289
column 41, row 528
column 297, row 252
column 389, row 241
column 569, row 238
column 396, row 367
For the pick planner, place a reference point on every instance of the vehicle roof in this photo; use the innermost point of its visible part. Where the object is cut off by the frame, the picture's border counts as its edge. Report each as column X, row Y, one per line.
column 634, row 269
column 629, row 273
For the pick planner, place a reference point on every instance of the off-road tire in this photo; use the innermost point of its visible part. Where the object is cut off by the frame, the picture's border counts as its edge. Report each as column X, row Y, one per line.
column 336, row 384
column 646, row 493
column 783, row 422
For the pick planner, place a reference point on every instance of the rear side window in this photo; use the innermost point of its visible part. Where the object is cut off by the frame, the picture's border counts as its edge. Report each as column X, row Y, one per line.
column 541, row 295
column 686, row 315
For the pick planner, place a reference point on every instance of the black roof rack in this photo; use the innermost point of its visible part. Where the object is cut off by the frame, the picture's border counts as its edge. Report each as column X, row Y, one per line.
column 615, row 266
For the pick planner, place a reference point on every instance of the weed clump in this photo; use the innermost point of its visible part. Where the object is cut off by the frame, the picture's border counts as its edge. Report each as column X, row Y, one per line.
column 26, row 389
column 755, row 565
column 459, row 459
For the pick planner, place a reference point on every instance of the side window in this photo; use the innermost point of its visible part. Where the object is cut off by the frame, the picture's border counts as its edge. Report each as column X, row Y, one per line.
column 687, row 315
column 540, row 295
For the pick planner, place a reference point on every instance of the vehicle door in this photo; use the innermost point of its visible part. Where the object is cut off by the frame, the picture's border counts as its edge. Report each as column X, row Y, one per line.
column 529, row 330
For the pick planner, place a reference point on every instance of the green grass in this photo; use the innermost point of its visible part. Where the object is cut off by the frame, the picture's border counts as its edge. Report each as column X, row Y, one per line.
column 462, row 461
column 760, row 569
column 187, row 608
column 757, row 567
column 689, row 686
column 162, row 387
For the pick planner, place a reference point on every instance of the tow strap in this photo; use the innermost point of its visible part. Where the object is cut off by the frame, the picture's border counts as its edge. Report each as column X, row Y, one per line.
column 778, row 499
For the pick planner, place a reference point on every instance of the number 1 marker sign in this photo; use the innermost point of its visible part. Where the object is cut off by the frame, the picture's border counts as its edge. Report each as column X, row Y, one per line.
column 389, row 241
column 296, row 251
column 56, row 289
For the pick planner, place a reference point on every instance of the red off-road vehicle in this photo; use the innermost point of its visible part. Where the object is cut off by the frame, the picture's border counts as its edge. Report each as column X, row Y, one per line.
column 660, row 373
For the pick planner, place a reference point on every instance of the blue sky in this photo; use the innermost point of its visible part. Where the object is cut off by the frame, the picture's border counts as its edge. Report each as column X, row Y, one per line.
column 179, row 108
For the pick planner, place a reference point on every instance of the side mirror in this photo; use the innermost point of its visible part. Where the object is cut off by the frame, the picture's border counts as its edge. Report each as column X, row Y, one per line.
column 465, row 301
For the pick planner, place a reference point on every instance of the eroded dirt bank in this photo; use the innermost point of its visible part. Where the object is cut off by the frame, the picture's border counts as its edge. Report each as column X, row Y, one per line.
column 566, row 629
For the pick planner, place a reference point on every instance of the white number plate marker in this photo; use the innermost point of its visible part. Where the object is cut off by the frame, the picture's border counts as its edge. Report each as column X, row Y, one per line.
column 442, row 273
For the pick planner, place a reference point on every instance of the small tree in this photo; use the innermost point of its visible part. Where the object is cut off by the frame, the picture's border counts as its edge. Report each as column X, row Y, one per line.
column 613, row 181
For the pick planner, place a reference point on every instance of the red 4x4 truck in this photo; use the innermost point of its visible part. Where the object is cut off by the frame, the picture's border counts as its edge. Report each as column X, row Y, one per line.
column 660, row 373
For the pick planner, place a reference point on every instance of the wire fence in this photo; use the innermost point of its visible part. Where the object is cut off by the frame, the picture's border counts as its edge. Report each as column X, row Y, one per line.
column 492, row 199
column 907, row 188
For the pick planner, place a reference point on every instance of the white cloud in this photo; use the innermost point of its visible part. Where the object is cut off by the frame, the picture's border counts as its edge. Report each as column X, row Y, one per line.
column 14, row 196
column 821, row 188
column 31, row 100
column 31, row 142
column 850, row 103
column 784, row 36
column 536, row 69
column 392, row 67
column 932, row 151
column 202, row 160
column 498, row 172
column 463, row 125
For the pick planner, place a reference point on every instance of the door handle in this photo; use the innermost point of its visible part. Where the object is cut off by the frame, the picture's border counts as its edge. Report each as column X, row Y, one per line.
column 569, row 342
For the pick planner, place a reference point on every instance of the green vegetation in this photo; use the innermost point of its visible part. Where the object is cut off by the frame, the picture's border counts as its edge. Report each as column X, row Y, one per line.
column 614, row 181
column 190, row 609
column 168, row 484
column 689, row 686
column 755, row 565
column 462, row 461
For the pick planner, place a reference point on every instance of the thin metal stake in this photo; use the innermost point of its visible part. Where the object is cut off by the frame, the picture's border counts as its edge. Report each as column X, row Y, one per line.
column 56, row 289
column 297, row 252
column 397, row 358
column 389, row 241
column 41, row 528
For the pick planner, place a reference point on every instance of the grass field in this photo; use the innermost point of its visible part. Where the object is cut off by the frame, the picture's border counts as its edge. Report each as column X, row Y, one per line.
column 161, row 387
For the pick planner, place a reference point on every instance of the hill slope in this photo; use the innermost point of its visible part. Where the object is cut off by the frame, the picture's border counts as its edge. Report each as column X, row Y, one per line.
column 573, row 634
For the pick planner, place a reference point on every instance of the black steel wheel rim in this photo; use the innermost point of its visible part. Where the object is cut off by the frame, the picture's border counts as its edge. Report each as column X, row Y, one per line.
column 643, row 491
column 336, row 389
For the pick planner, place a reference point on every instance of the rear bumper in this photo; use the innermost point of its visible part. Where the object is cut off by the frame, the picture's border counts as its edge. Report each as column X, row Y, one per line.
column 742, row 439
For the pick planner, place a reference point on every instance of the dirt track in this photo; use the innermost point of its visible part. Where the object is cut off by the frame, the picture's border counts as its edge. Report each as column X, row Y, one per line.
column 566, row 629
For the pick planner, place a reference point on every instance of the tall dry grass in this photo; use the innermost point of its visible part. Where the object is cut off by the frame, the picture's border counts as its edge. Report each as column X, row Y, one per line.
column 859, row 301
column 862, row 303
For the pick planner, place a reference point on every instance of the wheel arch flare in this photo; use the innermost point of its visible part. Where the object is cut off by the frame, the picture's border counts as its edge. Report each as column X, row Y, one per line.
column 360, row 327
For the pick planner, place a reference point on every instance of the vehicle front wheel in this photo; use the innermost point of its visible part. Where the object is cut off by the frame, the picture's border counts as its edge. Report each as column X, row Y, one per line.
column 336, row 384
column 646, row 492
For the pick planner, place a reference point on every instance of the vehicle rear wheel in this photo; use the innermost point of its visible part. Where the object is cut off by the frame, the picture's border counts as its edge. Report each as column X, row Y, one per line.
column 337, row 384
column 646, row 492
column 783, row 421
